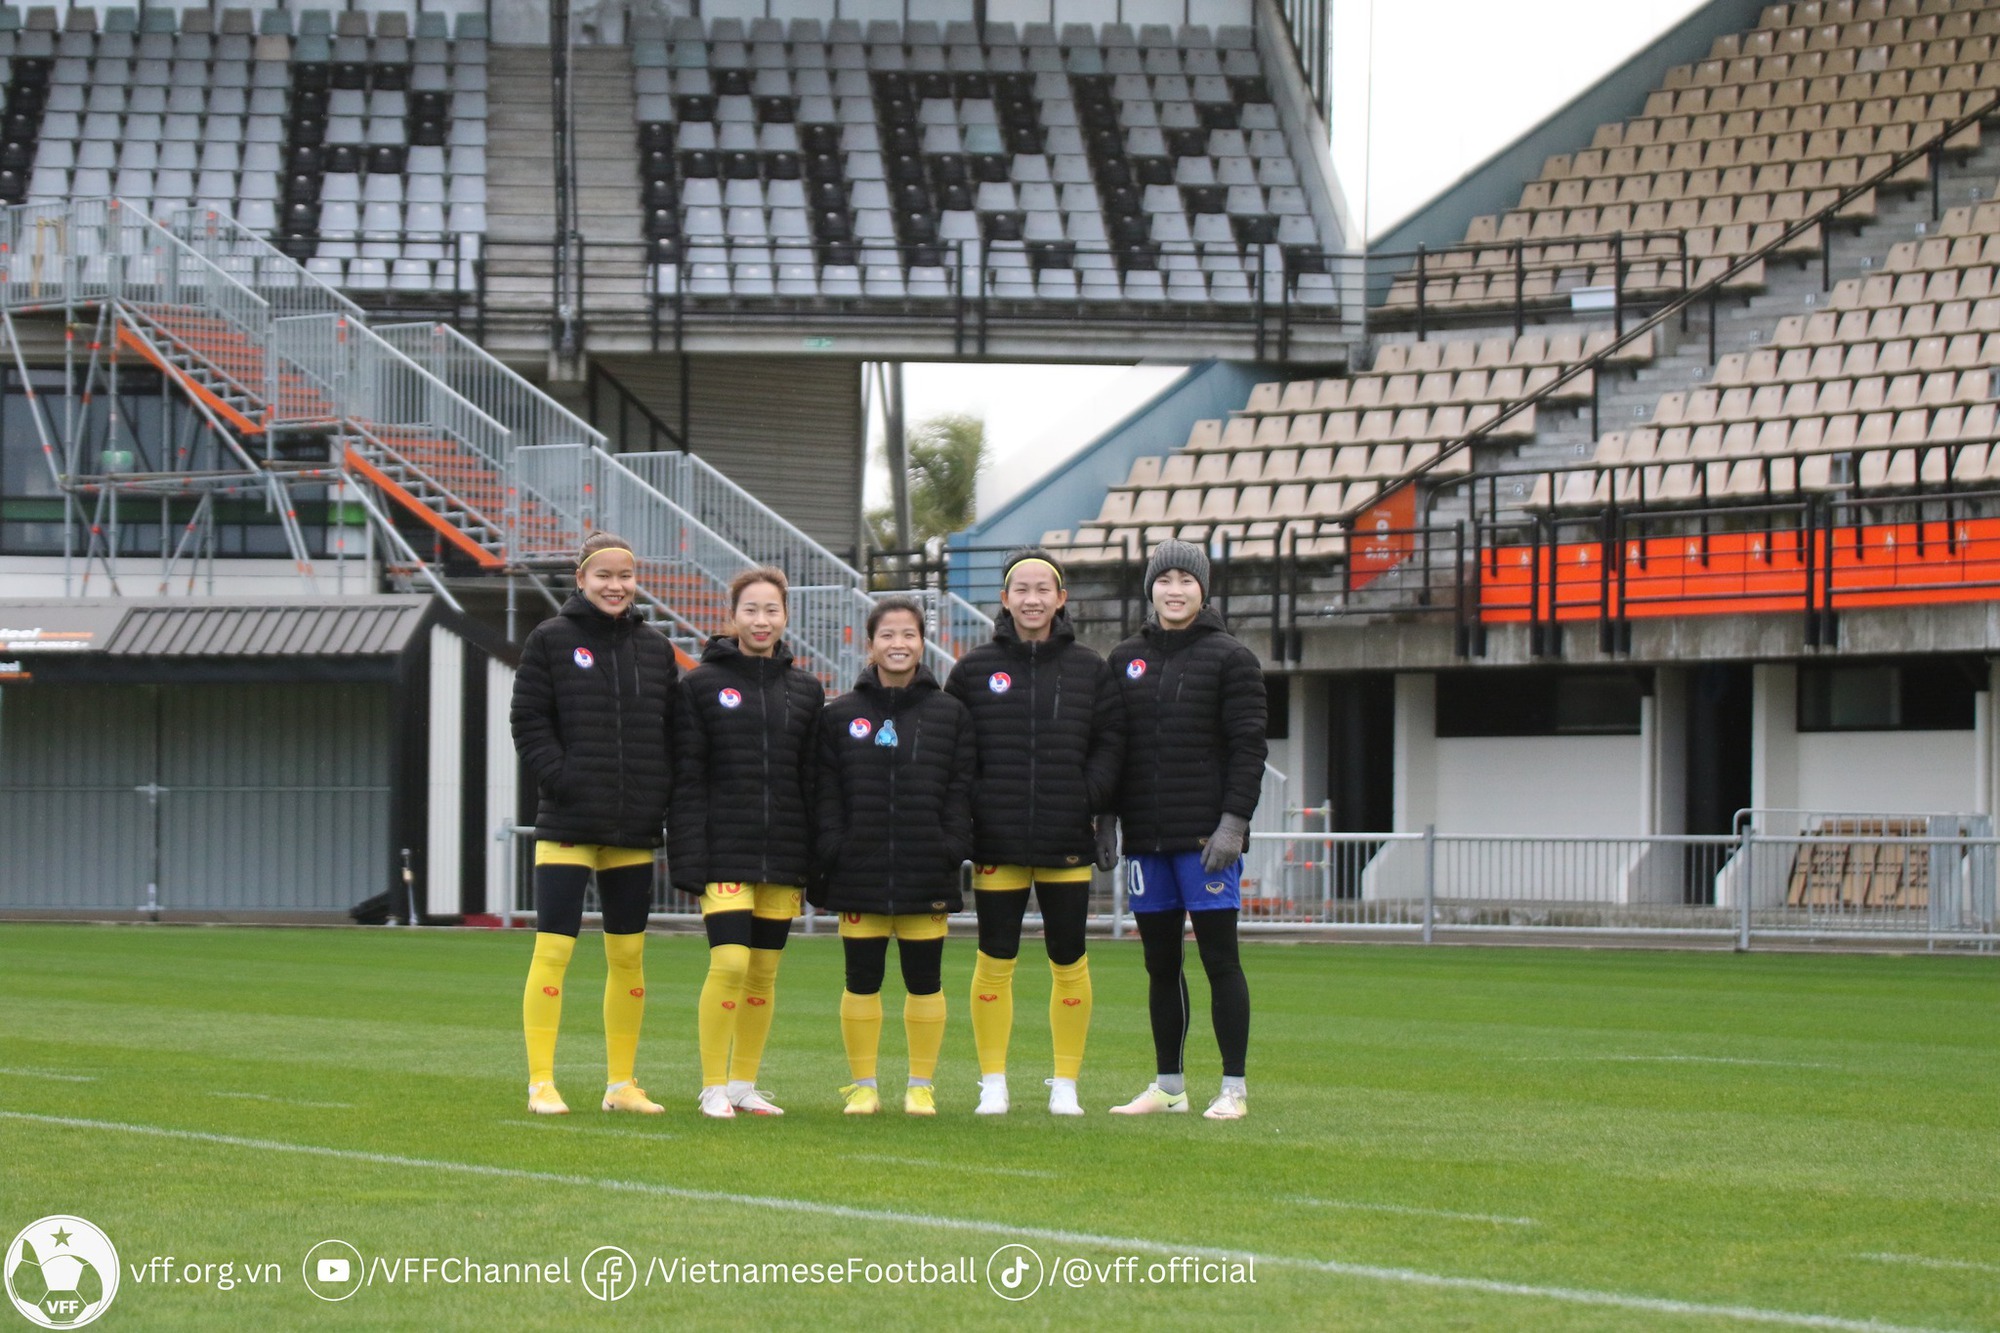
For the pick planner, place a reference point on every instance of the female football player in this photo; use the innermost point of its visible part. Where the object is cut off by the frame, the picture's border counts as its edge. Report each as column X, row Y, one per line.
column 895, row 828
column 741, row 827
column 1047, row 714
column 591, row 715
column 1194, row 764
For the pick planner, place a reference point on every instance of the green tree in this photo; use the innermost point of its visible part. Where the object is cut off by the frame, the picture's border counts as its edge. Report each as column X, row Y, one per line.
column 946, row 455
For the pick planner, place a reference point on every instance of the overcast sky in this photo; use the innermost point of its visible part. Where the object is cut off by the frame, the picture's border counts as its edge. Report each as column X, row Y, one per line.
column 1450, row 83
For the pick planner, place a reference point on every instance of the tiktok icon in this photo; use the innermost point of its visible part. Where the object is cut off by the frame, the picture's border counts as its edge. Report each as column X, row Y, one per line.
column 1014, row 1272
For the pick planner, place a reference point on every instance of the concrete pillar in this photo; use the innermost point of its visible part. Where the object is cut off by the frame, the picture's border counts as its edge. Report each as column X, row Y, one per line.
column 1309, row 738
column 1984, row 764
column 1416, row 752
column 1666, row 752
column 440, row 867
column 503, row 771
column 1774, row 738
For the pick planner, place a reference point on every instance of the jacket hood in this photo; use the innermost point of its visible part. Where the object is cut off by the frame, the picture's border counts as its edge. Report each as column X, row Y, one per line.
column 1006, row 633
column 581, row 608
column 725, row 650
column 923, row 683
column 1207, row 621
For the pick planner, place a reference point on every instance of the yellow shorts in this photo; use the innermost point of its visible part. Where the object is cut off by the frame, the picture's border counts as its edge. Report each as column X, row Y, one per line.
column 590, row 855
column 905, row 926
column 1020, row 877
column 767, row 902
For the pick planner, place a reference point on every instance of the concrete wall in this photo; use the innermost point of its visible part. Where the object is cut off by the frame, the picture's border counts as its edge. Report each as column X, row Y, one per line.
column 1589, row 785
column 1888, row 771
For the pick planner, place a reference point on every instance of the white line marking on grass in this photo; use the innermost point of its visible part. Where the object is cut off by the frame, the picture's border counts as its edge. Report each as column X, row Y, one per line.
column 285, row 1101
column 1128, row 1244
column 45, row 1073
column 1687, row 1059
column 1412, row 1212
column 1925, row 1261
column 548, row 1126
column 950, row 1166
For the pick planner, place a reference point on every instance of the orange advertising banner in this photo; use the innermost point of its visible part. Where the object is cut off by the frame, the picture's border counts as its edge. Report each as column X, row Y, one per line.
column 1382, row 536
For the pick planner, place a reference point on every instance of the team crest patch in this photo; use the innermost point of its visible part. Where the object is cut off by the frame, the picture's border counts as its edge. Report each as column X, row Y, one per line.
column 730, row 698
column 584, row 658
column 1135, row 668
column 859, row 728
column 999, row 682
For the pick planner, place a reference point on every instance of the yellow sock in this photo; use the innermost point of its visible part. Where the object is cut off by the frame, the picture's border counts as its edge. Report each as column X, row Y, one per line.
column 992, row 1011
column 541, row 1002
column 753, row 1020
column 721, row 999
column 1069, row 1014
column 861, row 1031
column 923, row 1026
column 624, row 1003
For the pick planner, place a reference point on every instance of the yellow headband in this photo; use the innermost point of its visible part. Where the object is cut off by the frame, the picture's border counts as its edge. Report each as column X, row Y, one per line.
column 1032, row 560
column 606, row 551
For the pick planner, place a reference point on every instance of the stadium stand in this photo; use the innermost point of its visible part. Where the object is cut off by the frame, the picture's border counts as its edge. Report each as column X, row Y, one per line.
column 1728, row 151
column 906, row 161
column 358, row 144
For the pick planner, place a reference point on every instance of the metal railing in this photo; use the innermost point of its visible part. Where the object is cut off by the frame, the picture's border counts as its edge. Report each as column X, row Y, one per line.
column 1736, row 890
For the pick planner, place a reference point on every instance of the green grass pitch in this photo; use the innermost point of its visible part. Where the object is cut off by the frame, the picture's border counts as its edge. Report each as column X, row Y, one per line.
column 1451, row 1138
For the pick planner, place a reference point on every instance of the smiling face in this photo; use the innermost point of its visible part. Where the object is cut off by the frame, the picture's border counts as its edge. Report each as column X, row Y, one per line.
column 1176, row 598
column 609, row 581
column 1033, row 598
column 760, row 619
column 896, row 647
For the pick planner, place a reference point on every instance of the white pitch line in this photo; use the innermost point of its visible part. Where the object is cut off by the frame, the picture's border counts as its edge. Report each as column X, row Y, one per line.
column 285, row 1101
column 1406, row 1209
column 44, row 1073
column 546, row 1126
column 1129, row 1244
column 929, row 1164
column 1686, row 1059
column 1925, row 1261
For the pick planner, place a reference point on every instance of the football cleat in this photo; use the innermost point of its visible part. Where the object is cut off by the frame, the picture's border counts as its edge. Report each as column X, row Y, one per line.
column 752, row 1101
column 714, row 1103
column 1229, row 1104
column 1062, row 1097
column 992, row 1096
column 861, row 1099
column 1152, row 1100
column 629, row 1096
column 920, row 1099
column 543, row 1099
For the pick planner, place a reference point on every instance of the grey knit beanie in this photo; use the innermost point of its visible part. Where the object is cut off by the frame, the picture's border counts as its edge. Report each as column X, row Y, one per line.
column 1175, row 554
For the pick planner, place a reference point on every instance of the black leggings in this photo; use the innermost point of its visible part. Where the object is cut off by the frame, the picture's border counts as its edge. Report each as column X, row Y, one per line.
column 867, row 960
column 1065, row 907
column 758, row 932
column 1167, row 992
column 625, row 895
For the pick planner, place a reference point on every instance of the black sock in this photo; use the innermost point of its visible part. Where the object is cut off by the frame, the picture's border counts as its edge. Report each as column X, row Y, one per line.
column 1166, row 986
column 1229, row 993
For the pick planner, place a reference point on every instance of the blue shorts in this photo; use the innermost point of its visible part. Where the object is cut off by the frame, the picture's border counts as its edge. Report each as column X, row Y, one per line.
column 1167, row 881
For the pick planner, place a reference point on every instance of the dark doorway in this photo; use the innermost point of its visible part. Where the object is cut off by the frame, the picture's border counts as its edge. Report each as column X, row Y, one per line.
column 1360, row 768
column 1718, row 756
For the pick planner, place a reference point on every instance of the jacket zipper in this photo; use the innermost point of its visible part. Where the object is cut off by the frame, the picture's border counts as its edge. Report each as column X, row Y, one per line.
column 764, row 703
column 1034, row 738
column 618, row 722
column 889, row 712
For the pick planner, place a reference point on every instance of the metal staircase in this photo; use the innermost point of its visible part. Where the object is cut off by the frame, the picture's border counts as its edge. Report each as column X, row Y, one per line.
column 507, row 480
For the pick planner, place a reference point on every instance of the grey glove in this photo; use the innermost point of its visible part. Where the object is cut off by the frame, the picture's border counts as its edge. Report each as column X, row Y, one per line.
column 1107, row 842
column 1226, row 844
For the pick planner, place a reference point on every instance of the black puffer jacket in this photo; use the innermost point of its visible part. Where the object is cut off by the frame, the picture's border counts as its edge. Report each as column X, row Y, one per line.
column 1051, row 735
column 895, row 820
column 593, row 718
column 743, row 759
column 1194, row 733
